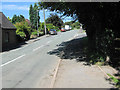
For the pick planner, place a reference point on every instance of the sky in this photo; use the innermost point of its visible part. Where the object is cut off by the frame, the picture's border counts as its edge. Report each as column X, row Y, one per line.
column 18, row 7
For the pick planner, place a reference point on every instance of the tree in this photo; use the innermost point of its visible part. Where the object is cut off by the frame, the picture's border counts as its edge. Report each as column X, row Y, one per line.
column 14, row 19
column 68, row 23
column 21, row 18
column 23, row 29
column 101, row 21
column 18, row 18
column 76, row 25
column 9, row 19
column 73, row 24
column 34, row 16
column 55, row 20
column 31, row 15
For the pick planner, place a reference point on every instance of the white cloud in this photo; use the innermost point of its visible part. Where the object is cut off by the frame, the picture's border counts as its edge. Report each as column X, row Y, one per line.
column 15, row 7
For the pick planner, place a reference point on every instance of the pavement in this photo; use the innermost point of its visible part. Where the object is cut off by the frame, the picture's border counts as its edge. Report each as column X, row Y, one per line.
column 72, row 74
column 31, row 66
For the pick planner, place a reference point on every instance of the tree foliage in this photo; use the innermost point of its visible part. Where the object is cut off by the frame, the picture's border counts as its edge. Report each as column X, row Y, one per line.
column 48, row 27
column 34, row 16
column 101, row 21
column 23, row 29
column 76, row 25
column 55, row 20
column 9, row 19
column 18, row 18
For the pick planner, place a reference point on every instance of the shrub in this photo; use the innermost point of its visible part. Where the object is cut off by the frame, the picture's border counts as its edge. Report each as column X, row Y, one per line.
column 78, row 27
column 23, row 29
column 34, row 33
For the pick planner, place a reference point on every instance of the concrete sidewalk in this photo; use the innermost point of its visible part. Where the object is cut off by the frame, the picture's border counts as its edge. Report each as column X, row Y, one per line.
column 72, row 74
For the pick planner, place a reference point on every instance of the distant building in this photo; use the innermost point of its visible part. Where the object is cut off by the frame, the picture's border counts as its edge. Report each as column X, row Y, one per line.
column 27, row 21
column 8, row 31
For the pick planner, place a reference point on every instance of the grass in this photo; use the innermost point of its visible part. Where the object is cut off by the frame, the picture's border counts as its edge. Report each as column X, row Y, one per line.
column 115, row 80
column 100, row 63
column 95, row 58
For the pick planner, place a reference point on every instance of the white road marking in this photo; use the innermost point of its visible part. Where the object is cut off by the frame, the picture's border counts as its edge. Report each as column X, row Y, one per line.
column 12, row 60
column 48, row 42
column 73, row 37
column 38, row 48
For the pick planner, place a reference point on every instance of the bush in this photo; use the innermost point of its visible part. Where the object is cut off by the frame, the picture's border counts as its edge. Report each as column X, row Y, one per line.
column 78, row 27
column 23, row 29
column 49, row 26
column 20, row 33
column 34, row 33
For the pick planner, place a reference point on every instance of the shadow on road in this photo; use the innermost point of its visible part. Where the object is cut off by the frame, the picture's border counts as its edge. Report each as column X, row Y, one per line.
column 11, row 47
column 73, row 49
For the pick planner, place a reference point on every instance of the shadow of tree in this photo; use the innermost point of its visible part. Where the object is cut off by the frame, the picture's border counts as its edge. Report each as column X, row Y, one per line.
column 73, row 49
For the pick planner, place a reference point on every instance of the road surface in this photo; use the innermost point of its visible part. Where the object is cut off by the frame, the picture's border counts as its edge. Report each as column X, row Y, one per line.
column 30, row 66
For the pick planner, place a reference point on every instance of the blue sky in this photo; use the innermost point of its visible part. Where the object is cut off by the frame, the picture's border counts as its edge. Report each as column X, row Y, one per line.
column 11, row 8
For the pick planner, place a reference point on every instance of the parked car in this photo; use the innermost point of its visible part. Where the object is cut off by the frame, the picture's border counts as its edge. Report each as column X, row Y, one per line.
column 53, row 32
column 63, row 30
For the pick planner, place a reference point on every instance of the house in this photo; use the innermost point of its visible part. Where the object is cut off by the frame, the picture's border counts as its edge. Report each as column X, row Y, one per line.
column 27, row 21
column 8, row 31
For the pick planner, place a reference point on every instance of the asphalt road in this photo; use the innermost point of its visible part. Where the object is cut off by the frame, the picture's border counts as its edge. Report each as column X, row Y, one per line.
column 30, row 66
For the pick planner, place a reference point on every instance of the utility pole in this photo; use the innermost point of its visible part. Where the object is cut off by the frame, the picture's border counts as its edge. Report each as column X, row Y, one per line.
column 37, row 23
column 44, row 20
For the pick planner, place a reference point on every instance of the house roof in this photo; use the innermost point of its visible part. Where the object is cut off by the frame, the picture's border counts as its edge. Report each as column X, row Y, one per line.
column 5, row 23
column 27, row 21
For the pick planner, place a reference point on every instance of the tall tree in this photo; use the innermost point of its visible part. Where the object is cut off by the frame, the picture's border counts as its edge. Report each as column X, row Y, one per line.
column 21, row 18
column 34, row 16
column 18, row 18
column 55, row 20
column 35, row 21
column 100, row 19
column 31, row 15
column 14, row 18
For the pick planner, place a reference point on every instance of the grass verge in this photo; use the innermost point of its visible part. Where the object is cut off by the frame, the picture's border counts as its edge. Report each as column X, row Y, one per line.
column 115, row 80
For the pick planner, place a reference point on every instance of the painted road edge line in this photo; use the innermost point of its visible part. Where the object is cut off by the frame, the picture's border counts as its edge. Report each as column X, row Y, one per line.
column 103, row 71
column 55, row 74
column 12, row 60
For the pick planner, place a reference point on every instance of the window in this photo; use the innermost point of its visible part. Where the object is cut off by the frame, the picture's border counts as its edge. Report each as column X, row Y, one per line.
column 6, row 37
